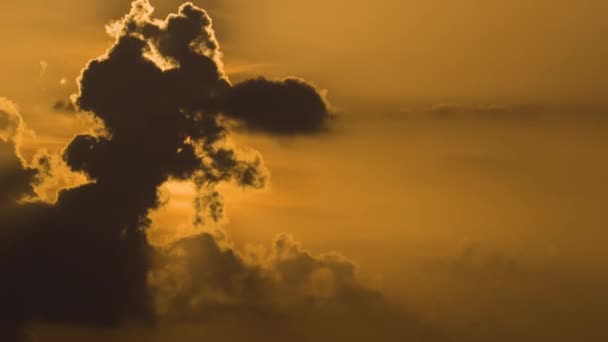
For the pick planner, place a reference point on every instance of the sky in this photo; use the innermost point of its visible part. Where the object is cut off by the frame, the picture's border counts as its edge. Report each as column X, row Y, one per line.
column 304, row 170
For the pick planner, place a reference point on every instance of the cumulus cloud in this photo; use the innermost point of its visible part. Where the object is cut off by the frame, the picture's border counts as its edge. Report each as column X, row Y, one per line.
column 83, row 258
column 203, row 275
column 206, row 288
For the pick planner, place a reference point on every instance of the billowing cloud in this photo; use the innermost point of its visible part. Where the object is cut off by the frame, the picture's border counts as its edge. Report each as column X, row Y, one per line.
column 163, row 99
column 206, row 288
column 203, row 276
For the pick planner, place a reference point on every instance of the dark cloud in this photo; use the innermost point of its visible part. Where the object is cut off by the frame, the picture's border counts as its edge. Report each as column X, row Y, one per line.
column 288, row 106
column 16, row 178
column 54, row 175
column 161, row 94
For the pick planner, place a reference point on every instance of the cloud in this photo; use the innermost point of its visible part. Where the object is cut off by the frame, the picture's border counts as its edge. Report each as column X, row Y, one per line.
column 16, row 178
column 161, row 94
column 54, row 175
column 287, row 106
column 207, row 277
column 11, row 123
column 205, row 288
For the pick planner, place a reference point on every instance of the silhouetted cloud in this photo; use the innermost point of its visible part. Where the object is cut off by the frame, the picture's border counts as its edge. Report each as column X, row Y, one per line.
column 288, row 106
column 16, row 179
column 161, row 93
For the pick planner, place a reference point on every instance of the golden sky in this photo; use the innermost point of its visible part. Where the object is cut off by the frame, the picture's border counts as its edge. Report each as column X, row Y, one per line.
column 463, row 169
